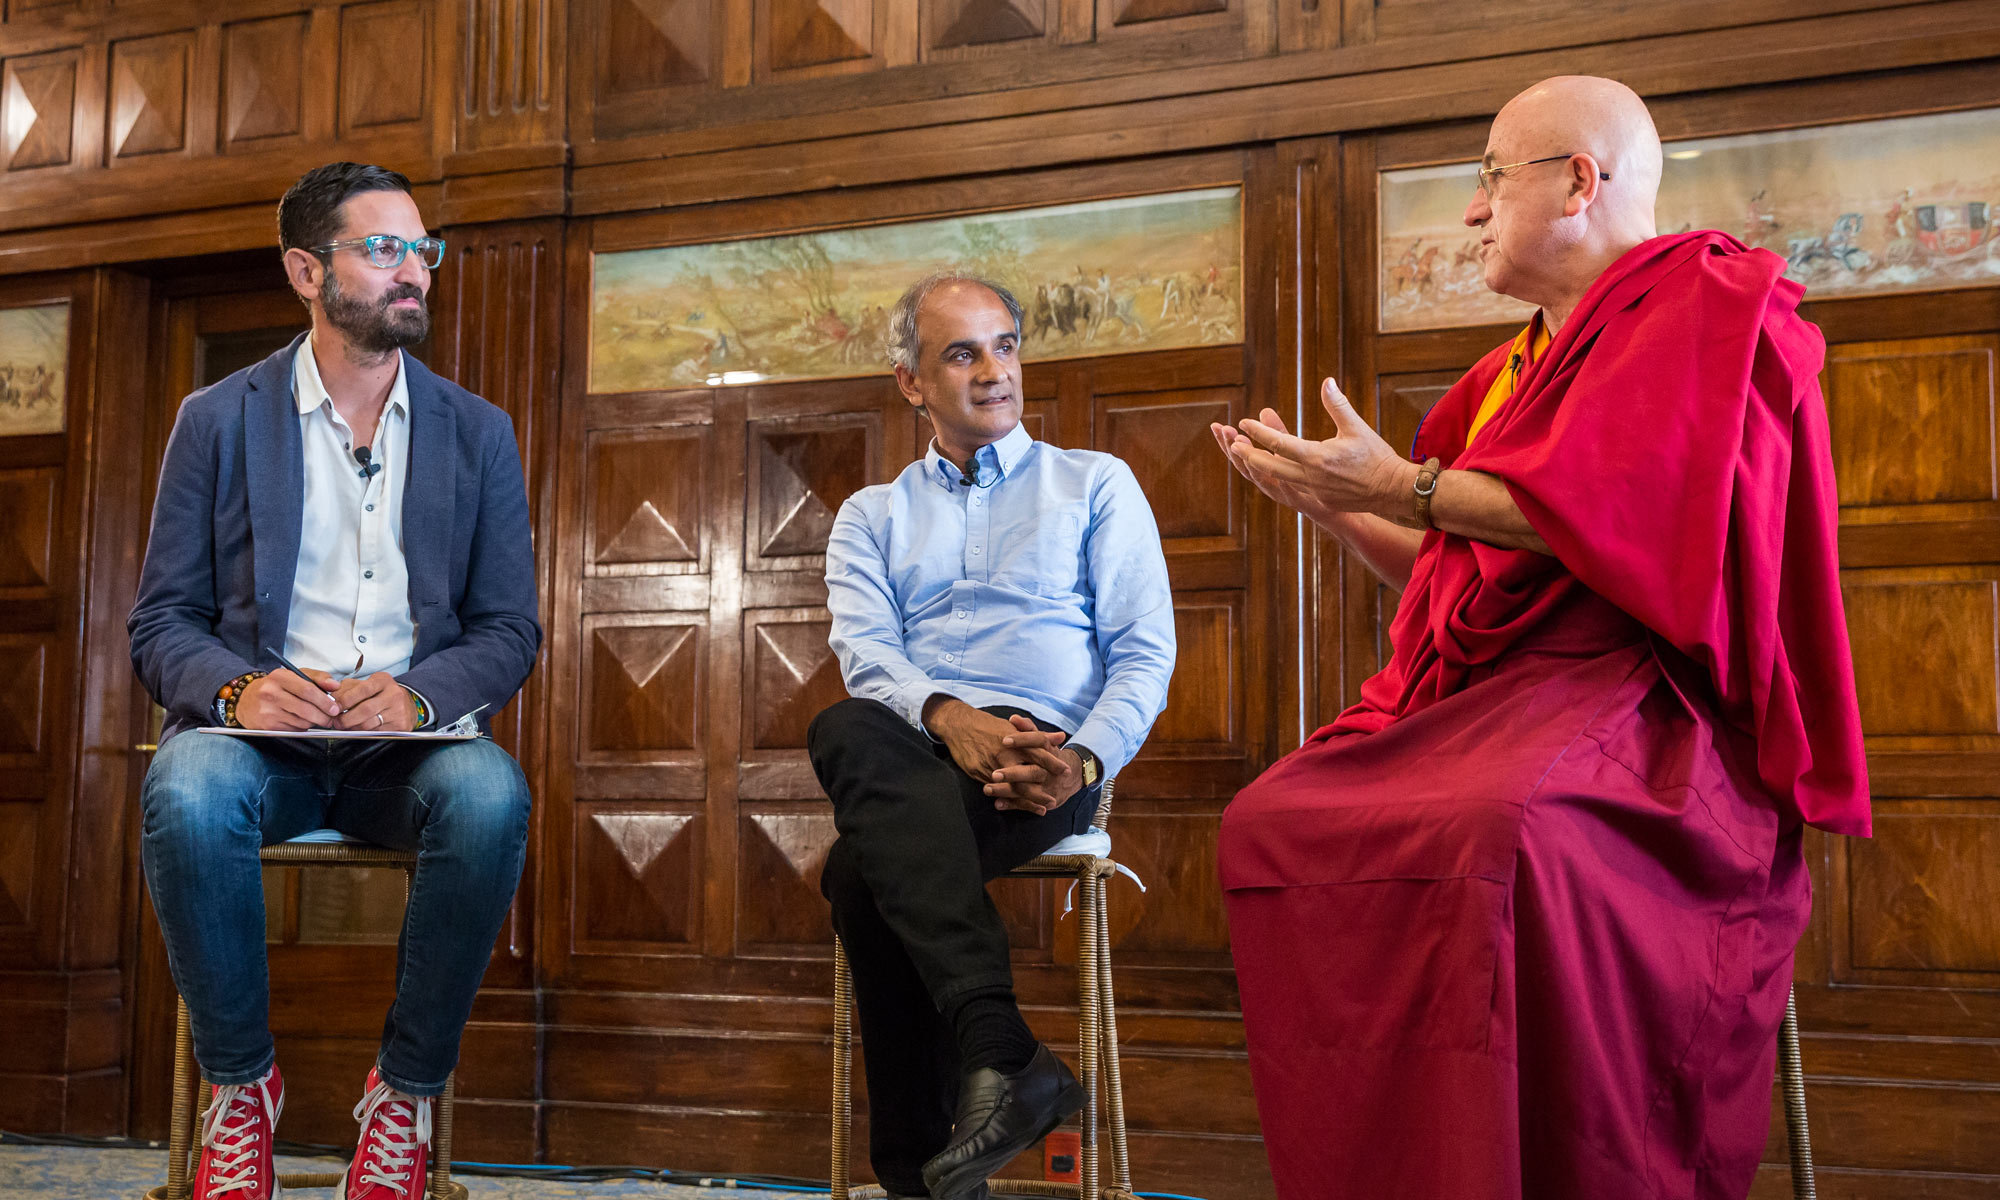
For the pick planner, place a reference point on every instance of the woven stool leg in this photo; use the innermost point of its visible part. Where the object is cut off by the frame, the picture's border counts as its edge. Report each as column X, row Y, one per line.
column 843, row 1065
column 180, row 1119
column 1090, row 916
column 1791, row 1072
column 441, row 1140
column 1114, row 1084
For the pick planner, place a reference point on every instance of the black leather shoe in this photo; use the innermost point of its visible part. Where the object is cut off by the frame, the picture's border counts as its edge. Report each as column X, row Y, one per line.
column 998, row 1117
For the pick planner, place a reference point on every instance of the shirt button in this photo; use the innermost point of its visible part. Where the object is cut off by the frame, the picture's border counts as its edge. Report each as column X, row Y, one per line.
column 959, row 614
column 947, row 658
column 371, row 508
column 367, row 574
column 975, row 549
column 975, row 502
column 362, row 638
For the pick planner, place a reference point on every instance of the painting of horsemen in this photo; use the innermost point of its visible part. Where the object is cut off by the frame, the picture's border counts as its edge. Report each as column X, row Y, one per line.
column 1110, row 276
column 34, row 363
column 1871, row 207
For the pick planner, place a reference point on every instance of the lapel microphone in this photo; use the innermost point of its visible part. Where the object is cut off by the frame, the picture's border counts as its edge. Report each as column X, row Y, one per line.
column 364, row 455
column 969, row 473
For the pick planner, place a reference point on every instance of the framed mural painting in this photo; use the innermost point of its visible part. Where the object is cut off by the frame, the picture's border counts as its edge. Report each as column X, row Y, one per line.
column 34, row 368
column 1907, row 204
column 1099, row 277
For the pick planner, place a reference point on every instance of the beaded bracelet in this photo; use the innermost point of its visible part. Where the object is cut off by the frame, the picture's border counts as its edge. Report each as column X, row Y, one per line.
column 232, row 692
column 423, row 710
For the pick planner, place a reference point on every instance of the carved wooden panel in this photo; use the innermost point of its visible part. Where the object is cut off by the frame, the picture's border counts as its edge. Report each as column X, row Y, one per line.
column 1920, row 892
column 263, row 81
column 642, row 685
column 1912, row 420
column 1205, row 697
column 17, row 864
column 779, row 856
column 513, row 67
column 1924, row 654
column 637, row 873
column 646, row 503
column 23, row 676
column 27, row 526
column 953, row 24
column 1402, row 401
column 1179, row 918
column 813, row 33
column 38, row 109
column 801, row 471
column 1165, row 439
column 383, row 53
column 650, row 45
column 149, row 94
column 790, row 675
column 1118, row 13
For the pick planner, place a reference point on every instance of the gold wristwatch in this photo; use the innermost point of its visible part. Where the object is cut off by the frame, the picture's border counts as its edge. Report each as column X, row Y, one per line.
column 1091, row 771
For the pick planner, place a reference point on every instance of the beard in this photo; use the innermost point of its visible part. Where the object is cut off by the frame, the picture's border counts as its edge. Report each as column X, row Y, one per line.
column 372, row 326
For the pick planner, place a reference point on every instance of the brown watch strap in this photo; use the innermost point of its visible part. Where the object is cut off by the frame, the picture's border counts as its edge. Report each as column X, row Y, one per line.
column 1426, row 487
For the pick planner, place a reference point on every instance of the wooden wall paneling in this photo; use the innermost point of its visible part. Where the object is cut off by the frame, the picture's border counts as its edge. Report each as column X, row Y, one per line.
column 510, row 76
column 983, row 26
column 384, row 57
column 648, row 54
column 62, row 765
column 263, row 86
column 38, row 100
column 149, row 103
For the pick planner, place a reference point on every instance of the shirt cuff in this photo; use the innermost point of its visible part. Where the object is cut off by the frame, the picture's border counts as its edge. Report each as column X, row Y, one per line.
column 1112, row 750
column 911, row 702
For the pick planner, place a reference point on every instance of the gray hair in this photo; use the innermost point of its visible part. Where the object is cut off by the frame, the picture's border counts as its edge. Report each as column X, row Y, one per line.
column 903, row 318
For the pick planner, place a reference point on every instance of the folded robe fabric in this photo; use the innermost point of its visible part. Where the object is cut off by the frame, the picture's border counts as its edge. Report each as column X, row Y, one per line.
column 1520, row 922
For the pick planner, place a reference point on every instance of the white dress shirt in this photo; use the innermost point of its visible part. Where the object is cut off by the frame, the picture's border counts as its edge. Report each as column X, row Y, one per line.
column 351, row 593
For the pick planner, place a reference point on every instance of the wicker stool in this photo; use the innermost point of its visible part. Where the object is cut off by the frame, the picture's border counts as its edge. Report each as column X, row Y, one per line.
column 320, row 848
column 1087, row 860
column 1792, row 1076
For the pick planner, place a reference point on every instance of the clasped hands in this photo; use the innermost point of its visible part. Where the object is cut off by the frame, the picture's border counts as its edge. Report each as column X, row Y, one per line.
column 1022, row 766
column 369, row 703
column 1354, row 471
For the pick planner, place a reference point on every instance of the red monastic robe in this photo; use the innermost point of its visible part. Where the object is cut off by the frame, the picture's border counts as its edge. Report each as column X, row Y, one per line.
column 1519, row 924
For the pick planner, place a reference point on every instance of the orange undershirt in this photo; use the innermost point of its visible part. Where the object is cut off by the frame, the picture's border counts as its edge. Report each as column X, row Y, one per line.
column 1527, row 348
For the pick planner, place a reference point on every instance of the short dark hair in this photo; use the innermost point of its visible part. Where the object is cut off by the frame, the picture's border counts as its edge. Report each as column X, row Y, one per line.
column 309, row 215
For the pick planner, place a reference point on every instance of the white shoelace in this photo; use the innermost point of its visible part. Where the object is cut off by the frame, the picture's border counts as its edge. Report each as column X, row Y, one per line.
column 405, row 1126
column 229, row 1132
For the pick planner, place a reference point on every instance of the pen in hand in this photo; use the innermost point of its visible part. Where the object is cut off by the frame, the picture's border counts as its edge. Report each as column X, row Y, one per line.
column 294, row 668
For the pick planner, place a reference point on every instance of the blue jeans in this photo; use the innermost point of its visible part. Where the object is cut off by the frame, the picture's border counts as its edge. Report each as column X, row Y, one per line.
column 210, row 802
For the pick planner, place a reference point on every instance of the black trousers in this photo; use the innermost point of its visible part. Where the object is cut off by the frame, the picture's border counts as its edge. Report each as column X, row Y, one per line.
column 907, row 881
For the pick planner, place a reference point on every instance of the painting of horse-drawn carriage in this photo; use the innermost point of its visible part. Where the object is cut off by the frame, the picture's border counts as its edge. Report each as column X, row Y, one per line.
column 1100, row 277
column 34, row 365
column 1899, row 205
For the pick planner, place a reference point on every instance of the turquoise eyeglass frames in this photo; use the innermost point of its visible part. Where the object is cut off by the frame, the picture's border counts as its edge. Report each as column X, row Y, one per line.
column 386, row 250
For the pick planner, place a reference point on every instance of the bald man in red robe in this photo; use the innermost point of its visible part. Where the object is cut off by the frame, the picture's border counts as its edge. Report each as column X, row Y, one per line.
column 1519, row 924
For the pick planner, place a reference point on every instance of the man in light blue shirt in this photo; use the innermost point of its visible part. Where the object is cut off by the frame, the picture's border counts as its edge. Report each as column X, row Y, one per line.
column 1004, row 623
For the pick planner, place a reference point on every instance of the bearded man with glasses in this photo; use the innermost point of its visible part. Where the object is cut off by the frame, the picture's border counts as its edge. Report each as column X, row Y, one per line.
column 1519, row 923
column 339, row 508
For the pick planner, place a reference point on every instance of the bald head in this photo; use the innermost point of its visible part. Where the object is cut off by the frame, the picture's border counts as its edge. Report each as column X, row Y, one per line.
column 1550, row 228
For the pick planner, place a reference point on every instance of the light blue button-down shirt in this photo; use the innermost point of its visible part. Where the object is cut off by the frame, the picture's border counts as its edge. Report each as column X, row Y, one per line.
column 1043, row 587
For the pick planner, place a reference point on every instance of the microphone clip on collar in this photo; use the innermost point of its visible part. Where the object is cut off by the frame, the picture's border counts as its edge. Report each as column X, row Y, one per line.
column 365, row 456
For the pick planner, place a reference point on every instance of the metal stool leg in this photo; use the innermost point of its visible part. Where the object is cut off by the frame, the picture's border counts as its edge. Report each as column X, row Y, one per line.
column 1791, row 1072
column 843, row 1065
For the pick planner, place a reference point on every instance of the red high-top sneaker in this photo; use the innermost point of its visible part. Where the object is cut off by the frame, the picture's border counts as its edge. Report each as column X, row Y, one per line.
column 236, row 1134
column 395, row 1149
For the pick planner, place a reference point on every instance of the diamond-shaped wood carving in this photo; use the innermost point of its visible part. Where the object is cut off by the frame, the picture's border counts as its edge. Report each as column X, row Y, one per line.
column 17, row 864
column 637, row 876
column 646, row 498
column 983, row 22
column 1138, row 12
column 645, row 687
column 808, row 33
column 261, row 81
column 378, row 88
column 149, row 95
column 23, row 658
column 781, row 856
column 651, row 44
column 39, row 99
column 803, row 477
column 27, row 526
column 1168, row 444
column 793, row 677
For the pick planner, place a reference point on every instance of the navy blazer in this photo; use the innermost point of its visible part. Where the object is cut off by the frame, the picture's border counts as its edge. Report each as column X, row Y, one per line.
column 217, row 585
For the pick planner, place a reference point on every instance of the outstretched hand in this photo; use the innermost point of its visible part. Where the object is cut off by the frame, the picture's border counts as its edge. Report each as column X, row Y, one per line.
column 1352, row 471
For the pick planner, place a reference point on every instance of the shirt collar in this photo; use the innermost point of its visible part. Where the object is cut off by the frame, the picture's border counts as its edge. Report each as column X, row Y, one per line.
column 309, row 391
column 995, row 460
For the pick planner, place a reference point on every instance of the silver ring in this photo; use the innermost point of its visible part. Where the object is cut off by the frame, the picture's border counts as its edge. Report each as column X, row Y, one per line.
column 379, row 718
